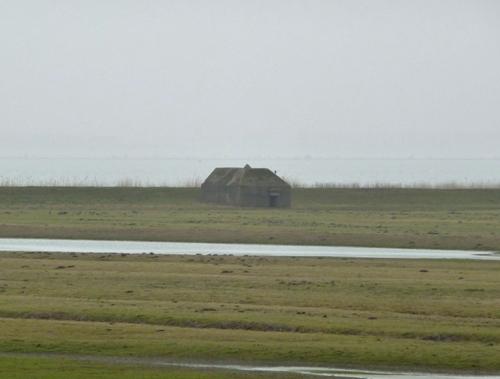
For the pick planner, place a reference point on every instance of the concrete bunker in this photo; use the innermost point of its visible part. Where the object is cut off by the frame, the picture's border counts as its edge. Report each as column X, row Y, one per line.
column 246, row 187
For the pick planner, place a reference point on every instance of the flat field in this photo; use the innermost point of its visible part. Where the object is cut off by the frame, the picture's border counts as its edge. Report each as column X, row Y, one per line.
column 57, row 367
column 420, row 218
column 426, row 315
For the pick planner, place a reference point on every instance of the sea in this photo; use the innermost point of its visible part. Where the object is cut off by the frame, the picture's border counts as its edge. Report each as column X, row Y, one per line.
column 123, row 171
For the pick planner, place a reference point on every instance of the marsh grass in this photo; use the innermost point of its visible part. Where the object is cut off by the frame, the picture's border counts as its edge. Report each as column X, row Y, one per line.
column 196, row 181
column 440, row 315
column 388, row 217
column 57, row 367
column 417, row 185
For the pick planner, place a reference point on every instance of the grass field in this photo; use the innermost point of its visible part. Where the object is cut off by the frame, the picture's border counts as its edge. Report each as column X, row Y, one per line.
column 428, row 315
column 425, row 315
column 422, row 218
column 35, row 367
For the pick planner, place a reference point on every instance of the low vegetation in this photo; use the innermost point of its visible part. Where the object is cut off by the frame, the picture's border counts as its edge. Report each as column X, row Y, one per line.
column 56, row 367
column 426, row 315
column 385, row 217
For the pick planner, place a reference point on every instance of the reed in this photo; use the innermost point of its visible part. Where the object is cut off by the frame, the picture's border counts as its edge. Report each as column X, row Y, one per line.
column 196, row 181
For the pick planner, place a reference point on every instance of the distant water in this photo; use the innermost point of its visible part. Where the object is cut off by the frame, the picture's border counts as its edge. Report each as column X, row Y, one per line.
column 174, row 172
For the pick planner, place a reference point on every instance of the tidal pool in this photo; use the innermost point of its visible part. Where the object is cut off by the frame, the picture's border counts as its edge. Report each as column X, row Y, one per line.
column 181, row 248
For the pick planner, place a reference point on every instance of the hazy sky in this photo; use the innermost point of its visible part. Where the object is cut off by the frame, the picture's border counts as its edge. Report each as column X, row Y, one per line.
column 236, row 78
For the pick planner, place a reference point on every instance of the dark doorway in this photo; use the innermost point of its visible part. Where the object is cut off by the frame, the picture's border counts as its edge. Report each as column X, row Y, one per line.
column 274, row 199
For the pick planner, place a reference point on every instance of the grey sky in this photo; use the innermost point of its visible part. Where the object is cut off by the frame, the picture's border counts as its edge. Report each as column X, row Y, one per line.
column 250, row 78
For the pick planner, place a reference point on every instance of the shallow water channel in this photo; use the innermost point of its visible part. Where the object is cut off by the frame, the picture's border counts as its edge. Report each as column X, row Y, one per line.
column 181, row 248
column 329, row 372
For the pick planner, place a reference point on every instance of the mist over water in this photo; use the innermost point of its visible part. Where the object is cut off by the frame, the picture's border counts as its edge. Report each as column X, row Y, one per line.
column 191, row 172
column 263, row 78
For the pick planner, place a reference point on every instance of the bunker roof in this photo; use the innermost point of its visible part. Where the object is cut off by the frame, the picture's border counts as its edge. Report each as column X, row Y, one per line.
column 246, row 176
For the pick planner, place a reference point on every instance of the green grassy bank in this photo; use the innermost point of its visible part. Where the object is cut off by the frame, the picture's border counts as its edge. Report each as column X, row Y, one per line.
column 425, row 315
column 34, row 367
column 422, row 218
